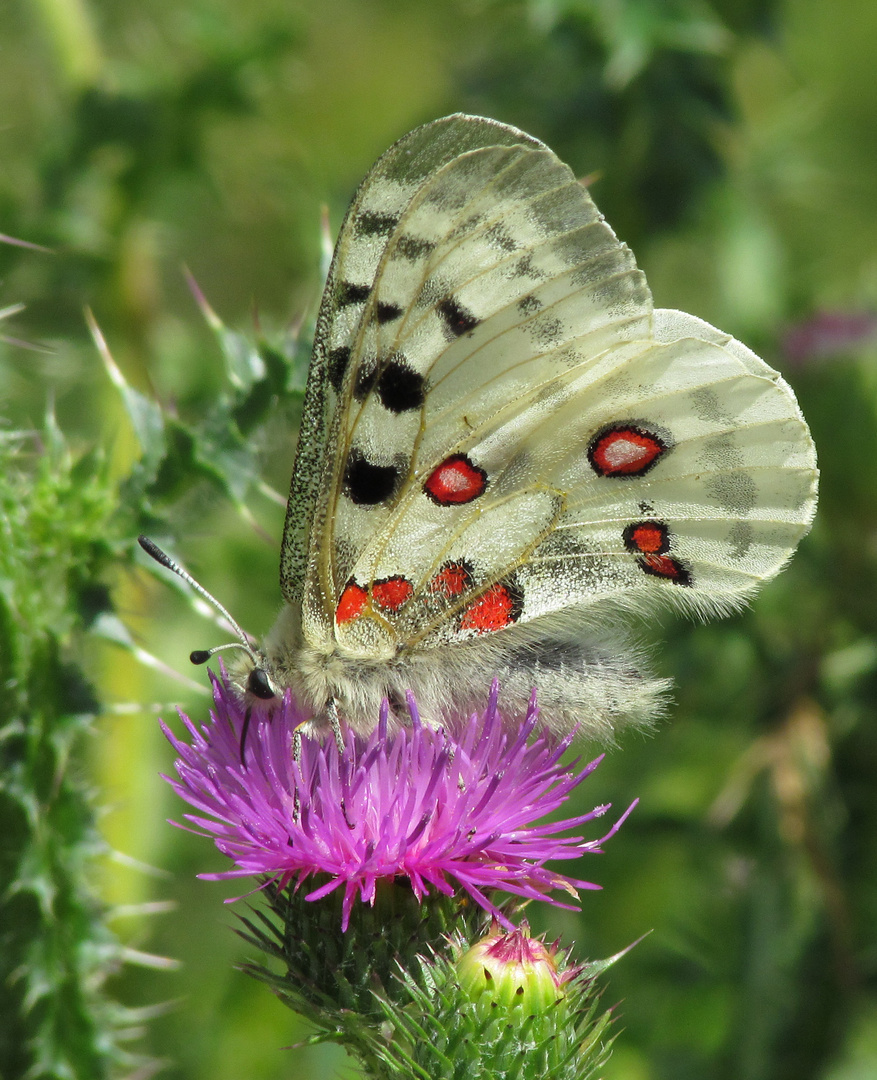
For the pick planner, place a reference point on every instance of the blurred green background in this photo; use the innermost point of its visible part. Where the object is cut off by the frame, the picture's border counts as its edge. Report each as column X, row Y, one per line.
column 733, row 144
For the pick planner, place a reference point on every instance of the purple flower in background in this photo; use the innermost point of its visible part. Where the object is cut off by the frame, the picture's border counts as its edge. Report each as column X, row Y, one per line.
column 829, row 333
column 444, row 810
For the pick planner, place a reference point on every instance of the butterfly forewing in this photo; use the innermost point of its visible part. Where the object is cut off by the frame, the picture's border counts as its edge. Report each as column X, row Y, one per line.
column 379, row 201
column 469, row 309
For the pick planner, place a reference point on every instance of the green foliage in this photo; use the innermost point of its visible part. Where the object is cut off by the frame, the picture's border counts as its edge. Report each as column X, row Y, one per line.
column 639, row 87
column 57, row 951
column 66, row 524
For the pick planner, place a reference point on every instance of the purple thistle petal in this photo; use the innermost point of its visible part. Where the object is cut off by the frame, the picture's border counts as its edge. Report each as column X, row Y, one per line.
column 445, row 809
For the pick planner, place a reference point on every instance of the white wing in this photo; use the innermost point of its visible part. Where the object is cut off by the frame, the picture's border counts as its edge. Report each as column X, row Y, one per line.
column 517, row 432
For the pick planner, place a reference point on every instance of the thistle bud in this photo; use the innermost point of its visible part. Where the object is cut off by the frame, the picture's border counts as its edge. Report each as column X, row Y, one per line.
column 514, row 970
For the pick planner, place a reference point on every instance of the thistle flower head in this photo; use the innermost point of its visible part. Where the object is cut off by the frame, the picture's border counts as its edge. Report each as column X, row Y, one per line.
column 445, row 810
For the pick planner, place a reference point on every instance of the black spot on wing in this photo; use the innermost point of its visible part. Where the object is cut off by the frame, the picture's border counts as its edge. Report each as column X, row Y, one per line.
column 411, row 248
column 388, row 312
column 401, row 388
column 547, row 330
column 398, row 386
column 466, row 227
column 501, row 238
column 337, row 363
column 351, row 293
column 372, row 224
column 526, row 268
column 529, row 304
column 366, row 378
column 457, row 319
column 368, row 484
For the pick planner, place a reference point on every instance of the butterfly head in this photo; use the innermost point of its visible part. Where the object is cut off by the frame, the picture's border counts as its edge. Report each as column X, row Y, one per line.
column 252, row 677
column 252, row 673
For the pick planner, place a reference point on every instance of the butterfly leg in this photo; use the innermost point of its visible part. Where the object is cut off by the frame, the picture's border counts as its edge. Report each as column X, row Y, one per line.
column 335, row 721
column 296, row 757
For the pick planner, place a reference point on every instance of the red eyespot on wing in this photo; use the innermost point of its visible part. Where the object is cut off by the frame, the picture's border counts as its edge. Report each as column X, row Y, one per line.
column 351, row 604
column 647, row 538
column 498, row 607
column 651, row 541
column 663, row 566
column 625, row 450
column 455, row 481
column 392, row 592
column 452, row 580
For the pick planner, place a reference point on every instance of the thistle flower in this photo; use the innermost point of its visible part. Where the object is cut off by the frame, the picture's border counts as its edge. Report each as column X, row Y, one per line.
column 447, row 810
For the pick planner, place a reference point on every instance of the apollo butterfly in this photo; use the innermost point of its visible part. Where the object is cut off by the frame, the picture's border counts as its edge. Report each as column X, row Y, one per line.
column 505, row 450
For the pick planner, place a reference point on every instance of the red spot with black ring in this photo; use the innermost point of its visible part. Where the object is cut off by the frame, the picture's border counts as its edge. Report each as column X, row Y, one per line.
column 455, row 482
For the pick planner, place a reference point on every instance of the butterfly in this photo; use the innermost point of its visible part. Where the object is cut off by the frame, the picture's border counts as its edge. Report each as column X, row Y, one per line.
column 506, row 453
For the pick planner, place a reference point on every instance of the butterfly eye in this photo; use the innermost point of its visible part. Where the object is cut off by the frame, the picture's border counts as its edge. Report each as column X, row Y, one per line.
column 259, row 685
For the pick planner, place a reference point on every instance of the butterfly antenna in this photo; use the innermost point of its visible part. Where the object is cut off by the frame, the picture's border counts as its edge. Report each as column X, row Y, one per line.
column 199, row 656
